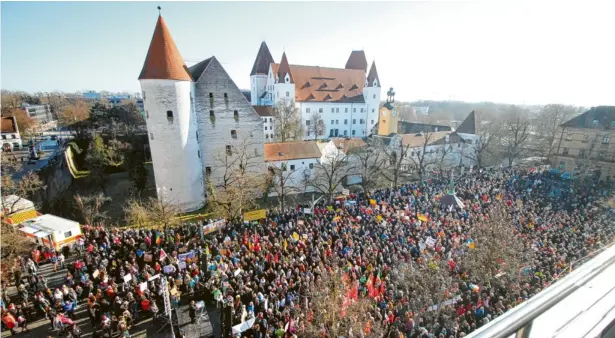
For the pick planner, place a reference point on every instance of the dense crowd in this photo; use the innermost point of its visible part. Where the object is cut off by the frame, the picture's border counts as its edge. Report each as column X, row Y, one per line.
column 264, row 269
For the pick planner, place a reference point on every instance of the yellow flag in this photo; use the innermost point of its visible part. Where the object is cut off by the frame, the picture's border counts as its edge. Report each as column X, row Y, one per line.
column 295, row 236
column 285, row 243
column 372, row 202
column 472, row 245
column 336, row 218
column 379, row 218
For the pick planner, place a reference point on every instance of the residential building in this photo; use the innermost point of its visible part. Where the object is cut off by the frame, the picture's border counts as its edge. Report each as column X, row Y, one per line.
column 584, row 144
column 266, row 114
column 297, row 160
column 343, row 148
column 11, row 139
column 195, row 117
column 42, row 115
column 345, row 100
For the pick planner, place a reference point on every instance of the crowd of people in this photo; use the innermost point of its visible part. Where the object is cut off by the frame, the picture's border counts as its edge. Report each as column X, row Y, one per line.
column 264, row 270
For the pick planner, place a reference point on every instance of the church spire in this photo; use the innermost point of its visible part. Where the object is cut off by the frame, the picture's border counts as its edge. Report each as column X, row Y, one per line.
column 163, row 61
column 262, row 61
column 284, row 69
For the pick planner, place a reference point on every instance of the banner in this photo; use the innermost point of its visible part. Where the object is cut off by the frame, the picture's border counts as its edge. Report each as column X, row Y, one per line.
column 183, row 257
column 212, row 227
column 148, row 257
column 254, row 215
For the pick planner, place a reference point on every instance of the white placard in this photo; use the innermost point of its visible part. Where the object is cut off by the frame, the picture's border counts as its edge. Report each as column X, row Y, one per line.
column 430, row 241
column 143, row 286
column 307, row 210
column 127, row 278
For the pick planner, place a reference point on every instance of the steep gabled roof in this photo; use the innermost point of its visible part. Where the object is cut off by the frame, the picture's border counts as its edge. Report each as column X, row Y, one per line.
column 197, row 70
column 605, row 115
column 373, row 75
column 470, row 125
column 357, row 60
column 163, row 60
column 284, row 69
column 262, row 61
column 263, row 111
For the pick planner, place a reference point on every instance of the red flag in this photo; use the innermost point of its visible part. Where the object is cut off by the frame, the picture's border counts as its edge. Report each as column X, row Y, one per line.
column 163, row 254
column 276, row 258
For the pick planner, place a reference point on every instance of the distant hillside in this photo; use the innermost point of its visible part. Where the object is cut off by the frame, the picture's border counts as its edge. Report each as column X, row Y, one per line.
column 458, row 110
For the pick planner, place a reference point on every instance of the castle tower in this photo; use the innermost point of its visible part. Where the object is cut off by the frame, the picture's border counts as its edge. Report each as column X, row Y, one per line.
column 258, row 75
column 171, row 123
column 371, row 93
column 387, row 123
column 285, row 84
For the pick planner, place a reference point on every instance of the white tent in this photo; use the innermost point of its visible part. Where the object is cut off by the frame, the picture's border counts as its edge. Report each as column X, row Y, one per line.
column 451, row 200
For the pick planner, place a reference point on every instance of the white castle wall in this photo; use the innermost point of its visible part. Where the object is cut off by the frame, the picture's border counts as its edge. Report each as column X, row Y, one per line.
column 174, row 147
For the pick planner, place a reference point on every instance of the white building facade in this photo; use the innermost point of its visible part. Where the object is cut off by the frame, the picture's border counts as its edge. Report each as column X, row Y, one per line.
column 295, row 163
column 193, row 115
column 346, row 100
column 11, row 139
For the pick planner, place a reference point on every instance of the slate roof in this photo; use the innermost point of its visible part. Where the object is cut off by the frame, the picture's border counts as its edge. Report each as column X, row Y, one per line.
column 405, row 127
column 470, row 125
column 163, row 60
column 373, row 75
column 604, row 114
column 262, row 61
column 417, row 140
column 197, row 70
column 357, row 60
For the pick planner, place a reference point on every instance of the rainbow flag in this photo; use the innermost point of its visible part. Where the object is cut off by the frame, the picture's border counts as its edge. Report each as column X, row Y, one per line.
column 158, row 240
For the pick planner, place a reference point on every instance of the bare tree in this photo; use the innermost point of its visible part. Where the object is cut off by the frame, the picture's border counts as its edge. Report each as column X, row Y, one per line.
column 514, row 133
column 496, row 248
column 235, row 181
column 13, row 184
column 136, row 213
column 482, row 148
column 163, row 211
column 424, row 157
column 287, row 121
column 77, row 112
column 330, row 173
column 548, row 124
column 315, row 125
column 370, row 161
column 333, row 309
column 90, row 208
column 284, row 183
column 394, row 165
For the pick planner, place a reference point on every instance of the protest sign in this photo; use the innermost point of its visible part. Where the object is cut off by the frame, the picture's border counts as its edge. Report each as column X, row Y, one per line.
column 148, row 257
column 127, row 278
column 430, row 241
column 211, row 227
column 254, row 215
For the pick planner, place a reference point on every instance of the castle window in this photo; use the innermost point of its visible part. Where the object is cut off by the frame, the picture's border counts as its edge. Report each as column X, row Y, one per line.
column 353, row 132
column 372, row 121
column 333, row 110
column 354, row 121
column 292, row 167
column 332, row 121
column 229, row 150
column 170, row 116
column 211, row 113
column 311, row 165
column 198, row 152
column 234, row 134
column 225, row 96
column 267, row 136
column 197, row 135
column 354, row 110
column 345, row 110
column 207, row 171
column 320, row 110
column 565, row 151
column 374, row 96
column 361, row 110
column 345, row 132
column 236, row 115
column 211, row 95
column 307, row 123
column 337, row 121
column 345, row 121
column 373, row 110
column 307, row 110
column 147, row 114
column 361, row 121
column 151, row 136
column 287, row 94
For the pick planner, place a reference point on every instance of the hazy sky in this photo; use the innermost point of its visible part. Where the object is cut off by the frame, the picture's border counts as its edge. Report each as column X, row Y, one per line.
column 493, row 51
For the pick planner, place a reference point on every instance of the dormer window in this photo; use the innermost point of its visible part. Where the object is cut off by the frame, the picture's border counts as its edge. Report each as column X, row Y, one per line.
column 366, row 83
column 375, row 83
column 287, row 79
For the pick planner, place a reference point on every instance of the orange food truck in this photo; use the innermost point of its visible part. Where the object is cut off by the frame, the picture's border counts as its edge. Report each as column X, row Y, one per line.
column 51, row 231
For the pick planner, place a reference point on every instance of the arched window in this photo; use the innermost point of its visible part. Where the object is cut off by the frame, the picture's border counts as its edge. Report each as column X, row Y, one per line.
column 170, row 116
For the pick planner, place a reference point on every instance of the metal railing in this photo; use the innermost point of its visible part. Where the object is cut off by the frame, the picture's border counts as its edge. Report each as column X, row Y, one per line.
column 518, row 321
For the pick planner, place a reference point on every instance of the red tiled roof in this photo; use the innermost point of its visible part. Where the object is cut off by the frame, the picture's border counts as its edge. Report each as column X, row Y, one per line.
column 357, row 60
column 263, row 60
column 163, row 61
column 322, row 84
column 9, row 125
column 291, row 151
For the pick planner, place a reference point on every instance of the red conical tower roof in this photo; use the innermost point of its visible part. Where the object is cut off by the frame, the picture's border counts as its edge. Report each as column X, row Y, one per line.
column 284, row 69
column 163, row 61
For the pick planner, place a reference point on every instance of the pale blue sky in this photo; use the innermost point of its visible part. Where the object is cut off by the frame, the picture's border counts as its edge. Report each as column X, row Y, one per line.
column 493, row 51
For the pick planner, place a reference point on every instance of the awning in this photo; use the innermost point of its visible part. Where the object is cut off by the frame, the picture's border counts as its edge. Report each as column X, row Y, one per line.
column 42, row 234
column 29, row 229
